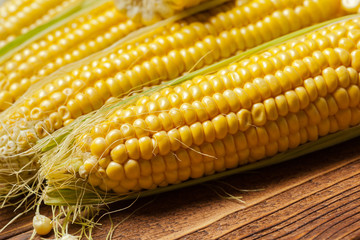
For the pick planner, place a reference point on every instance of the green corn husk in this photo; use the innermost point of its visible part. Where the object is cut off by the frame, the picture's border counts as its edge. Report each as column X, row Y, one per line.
column 60, row 168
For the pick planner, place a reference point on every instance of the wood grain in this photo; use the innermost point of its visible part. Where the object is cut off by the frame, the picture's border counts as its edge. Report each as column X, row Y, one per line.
column 313, row 197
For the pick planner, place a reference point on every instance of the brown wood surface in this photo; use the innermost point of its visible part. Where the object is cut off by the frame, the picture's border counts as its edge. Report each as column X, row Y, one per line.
column 313, row 197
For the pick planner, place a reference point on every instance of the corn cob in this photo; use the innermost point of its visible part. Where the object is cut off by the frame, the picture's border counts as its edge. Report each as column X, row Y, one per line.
column 75, row 40
column 20, row 16
column 269, row 103
column 181, row 47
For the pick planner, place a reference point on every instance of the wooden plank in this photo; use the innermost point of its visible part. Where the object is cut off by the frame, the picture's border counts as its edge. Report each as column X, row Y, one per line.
column 313, row 197
column 20, row 225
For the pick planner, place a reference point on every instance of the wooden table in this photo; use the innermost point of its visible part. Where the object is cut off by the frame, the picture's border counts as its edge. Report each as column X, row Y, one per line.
column 315, row 196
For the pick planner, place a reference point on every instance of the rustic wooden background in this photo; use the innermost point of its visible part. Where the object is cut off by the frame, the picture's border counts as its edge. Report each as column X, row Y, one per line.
column 313, row 197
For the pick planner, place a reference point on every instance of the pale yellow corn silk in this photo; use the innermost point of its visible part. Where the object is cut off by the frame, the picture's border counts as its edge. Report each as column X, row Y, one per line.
column 150, row 11
column 272, row 102
column 21, row 16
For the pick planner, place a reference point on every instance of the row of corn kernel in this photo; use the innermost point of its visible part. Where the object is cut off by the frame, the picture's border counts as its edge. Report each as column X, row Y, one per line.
column 250, row 92
column 126, row 144
column 233, row 150
column 19, row 17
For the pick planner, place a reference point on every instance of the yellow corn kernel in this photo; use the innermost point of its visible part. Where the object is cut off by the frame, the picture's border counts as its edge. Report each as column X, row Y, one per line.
column 132, row 169
column 115, row 171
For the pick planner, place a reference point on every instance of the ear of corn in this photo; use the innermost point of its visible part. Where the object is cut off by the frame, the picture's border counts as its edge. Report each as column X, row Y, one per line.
column 21, row 16
column 86, row 34
column 64, row 16
column 304, row 93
